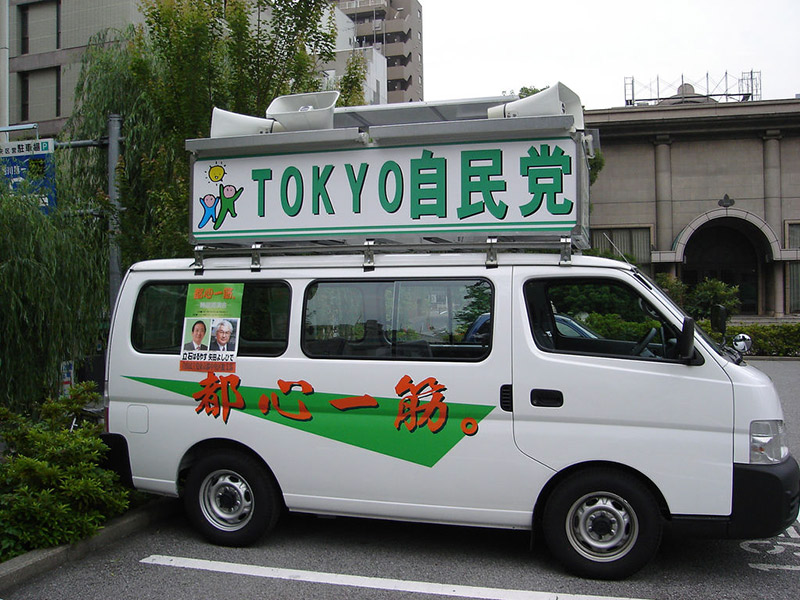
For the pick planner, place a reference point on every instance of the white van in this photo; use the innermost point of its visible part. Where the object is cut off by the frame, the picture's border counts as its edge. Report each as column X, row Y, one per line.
column 552, row 392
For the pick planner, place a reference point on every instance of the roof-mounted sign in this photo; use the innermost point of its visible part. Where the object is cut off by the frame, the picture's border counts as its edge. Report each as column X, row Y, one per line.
column 442, row 180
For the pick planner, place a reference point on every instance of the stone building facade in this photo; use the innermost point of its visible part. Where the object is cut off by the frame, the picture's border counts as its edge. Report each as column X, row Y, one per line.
column 705, row 189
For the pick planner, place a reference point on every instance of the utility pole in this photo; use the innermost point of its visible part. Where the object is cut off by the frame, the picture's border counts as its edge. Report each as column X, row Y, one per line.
column 114, row 277
column 113, row 143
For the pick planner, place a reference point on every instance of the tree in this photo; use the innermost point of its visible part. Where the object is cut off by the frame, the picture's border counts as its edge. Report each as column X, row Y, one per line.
column 351, row 84
column 478, row 300
column 54, row 288
column 526, row 91
column 165, row 77
column 699, row 300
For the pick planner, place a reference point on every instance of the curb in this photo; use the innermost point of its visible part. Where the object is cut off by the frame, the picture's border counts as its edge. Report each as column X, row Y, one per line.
column 37, row 562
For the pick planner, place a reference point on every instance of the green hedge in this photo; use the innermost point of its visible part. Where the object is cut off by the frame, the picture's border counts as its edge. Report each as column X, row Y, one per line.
column 52, row 488
column 768, row 340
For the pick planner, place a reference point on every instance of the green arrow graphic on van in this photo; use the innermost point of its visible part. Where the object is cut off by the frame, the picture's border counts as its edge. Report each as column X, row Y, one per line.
column 369, row 424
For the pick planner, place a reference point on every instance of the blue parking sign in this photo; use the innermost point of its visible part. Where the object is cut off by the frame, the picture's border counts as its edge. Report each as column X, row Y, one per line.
column 31, row 163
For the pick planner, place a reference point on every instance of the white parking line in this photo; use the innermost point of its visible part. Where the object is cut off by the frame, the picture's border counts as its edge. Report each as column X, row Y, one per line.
column 768, row 567
column 377, row 583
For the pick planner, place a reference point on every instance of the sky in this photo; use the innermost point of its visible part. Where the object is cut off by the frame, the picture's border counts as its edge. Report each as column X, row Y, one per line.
column 479, row 48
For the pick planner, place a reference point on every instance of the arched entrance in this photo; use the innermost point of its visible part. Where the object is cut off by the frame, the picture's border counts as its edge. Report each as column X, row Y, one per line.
column 717, row 251
column 733, row 246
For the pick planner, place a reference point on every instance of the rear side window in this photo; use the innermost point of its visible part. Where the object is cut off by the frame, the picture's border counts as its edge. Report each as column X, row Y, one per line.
column 399, row 319
column 158, row 319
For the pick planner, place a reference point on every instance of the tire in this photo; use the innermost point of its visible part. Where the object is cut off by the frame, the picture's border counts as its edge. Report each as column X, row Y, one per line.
column 602, row 524
column 231, row 498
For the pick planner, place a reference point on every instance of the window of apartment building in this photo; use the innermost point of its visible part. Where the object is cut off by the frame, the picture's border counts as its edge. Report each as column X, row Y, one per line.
column 24, row 32
column 793, row 241
column 24, row 97
column 58, row 91
column 634, row 241
column 58, row 28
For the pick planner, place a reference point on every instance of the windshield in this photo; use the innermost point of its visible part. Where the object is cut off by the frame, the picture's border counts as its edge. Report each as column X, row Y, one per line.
column 723, row 351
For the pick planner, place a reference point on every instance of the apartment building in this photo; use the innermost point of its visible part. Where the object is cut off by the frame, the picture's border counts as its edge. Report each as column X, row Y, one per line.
column 394, row 27
column 375, row 79
column 48, row 38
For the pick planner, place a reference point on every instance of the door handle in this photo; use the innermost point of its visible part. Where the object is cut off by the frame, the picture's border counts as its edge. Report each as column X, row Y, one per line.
column 547, row 398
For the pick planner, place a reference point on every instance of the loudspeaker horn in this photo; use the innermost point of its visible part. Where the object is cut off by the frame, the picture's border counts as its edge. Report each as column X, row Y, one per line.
column 301, row 112
column 225, row 124
column 555, row 100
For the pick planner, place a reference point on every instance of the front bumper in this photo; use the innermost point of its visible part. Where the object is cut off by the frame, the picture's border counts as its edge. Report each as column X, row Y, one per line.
column 765, row 499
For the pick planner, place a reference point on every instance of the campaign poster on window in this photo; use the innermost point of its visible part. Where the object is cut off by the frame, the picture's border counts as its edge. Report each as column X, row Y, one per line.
column 211, row 327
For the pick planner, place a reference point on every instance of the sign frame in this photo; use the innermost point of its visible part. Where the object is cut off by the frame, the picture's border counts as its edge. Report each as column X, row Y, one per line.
column 291, row 187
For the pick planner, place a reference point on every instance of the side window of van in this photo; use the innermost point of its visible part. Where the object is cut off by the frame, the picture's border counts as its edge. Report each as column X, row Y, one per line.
column 597, row 316
column 158, row 318
column 264, row 328
column 399, row 319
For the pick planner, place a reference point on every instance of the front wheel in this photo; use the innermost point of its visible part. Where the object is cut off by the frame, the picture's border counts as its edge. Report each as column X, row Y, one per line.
column 602, row 524
column 231, row 498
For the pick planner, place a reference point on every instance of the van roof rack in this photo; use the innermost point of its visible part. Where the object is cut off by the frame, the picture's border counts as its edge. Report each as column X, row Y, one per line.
column 491, row 246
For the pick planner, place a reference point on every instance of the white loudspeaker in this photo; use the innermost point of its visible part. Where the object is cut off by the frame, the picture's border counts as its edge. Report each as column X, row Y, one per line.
column 300, row 112
column 555, row 100
column 226, row 124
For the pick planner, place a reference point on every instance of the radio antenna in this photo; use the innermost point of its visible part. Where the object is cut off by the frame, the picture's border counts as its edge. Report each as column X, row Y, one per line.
column 613, row 245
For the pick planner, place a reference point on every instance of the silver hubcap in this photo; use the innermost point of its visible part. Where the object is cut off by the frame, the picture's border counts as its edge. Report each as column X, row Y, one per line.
column 226, row 500
column 602, row 527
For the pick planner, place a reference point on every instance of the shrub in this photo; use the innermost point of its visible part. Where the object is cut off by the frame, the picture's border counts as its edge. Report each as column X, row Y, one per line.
column 674, row 287
column 768, row 340
column 52, row 488
column 711, row 292
column 612, row 326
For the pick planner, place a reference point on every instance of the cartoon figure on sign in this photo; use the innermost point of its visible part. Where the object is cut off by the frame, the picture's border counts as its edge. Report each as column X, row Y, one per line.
column 228, row 195
column 209, row 203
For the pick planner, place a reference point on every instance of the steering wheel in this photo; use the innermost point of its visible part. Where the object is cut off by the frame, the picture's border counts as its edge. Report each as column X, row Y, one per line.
column 642, row 343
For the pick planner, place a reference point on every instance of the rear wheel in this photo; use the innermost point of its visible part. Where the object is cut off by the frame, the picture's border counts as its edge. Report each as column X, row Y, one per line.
column 603, row 524
column 231, row 498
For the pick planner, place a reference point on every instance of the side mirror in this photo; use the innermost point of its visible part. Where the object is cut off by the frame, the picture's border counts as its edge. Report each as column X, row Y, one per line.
column 742, row 343
column 686, row 340
column 719, row 318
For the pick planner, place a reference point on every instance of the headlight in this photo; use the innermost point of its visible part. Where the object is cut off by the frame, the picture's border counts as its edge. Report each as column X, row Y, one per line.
column 768, row 442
